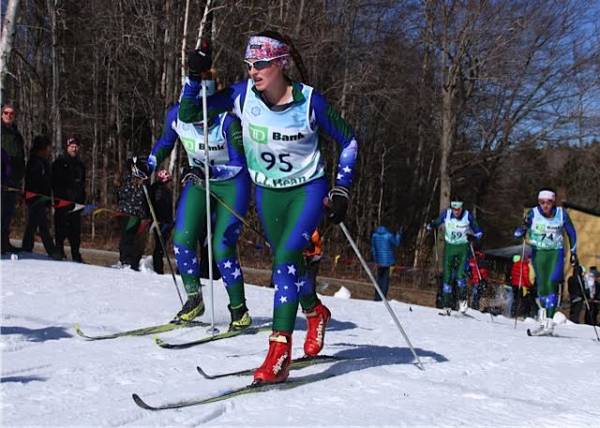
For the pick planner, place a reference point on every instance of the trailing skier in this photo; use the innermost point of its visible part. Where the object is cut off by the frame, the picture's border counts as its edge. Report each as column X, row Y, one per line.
column 281, row 119
column 545, row 225
column 457, row 223
column 229, row 180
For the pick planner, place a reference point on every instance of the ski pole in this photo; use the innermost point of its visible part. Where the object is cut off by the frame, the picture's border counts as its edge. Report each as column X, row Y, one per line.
column 161, row 239
column 212, row 328
column 437, row 259
column 520, row 281
column 383, row 298
column 435, row 246
column 577, row 269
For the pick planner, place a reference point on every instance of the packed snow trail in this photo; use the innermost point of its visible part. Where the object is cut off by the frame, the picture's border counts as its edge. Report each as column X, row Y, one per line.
column 476, row 372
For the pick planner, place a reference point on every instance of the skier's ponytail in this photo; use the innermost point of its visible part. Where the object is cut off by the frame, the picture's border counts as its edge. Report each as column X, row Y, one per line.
column 293, row 51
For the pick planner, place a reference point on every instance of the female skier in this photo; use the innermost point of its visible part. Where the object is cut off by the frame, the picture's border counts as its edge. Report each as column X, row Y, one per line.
column 229, row 180
column 546, row 224
column 281, row 119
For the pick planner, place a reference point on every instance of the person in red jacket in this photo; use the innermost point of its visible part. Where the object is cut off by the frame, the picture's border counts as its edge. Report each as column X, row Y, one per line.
column 478, row 276
column 523, row 303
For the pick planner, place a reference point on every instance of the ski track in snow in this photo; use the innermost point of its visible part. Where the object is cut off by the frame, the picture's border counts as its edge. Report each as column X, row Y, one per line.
column 477, row 372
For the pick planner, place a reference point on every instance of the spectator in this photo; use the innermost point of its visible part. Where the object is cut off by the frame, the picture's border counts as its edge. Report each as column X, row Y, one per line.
column 13, row 171
column 132, row 202
column 591, row 317
column 68, row 183
column 38, row 180
column 523, row 302
column 383, row 244
column 313, row 255
column 162, row 201
column 590, row 282
column 478, row 276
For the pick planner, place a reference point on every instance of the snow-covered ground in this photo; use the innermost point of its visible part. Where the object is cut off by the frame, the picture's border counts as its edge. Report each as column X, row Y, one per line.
column 477, row 372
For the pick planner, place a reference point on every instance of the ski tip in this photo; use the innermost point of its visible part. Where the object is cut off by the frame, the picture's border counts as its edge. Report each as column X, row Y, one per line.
column 203, row 373
column 79, row 332
column 141, row 403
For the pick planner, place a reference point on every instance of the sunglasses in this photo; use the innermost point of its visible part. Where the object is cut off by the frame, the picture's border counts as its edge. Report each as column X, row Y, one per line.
column 9, row 113
column 261, row 64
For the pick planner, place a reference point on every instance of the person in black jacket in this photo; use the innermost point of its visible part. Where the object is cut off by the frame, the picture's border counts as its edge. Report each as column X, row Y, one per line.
column 13, row 170
column 162, row 201
column 38, row 180
column 68, row 183
column 132, row 202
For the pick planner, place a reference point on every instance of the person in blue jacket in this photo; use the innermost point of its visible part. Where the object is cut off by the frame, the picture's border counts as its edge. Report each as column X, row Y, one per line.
column 383, row 245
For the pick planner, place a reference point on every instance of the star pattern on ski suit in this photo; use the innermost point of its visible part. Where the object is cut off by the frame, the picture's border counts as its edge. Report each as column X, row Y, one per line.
column 285, row 282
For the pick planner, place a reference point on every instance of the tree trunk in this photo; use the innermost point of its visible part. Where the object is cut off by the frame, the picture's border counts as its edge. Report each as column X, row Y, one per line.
column 8, row 32
column 54, row 102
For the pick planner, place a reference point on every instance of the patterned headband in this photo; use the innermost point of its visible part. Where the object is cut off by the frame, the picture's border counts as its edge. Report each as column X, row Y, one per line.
column 262, row 47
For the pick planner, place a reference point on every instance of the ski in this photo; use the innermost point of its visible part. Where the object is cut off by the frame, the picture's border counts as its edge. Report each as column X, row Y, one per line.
column 297, row 364
column 160, row 328
column 534, row 333
column 457, row 315
column 207, row 339
column 248, row 389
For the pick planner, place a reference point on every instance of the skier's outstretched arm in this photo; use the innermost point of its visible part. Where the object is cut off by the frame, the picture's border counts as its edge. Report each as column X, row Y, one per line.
column 521, row 230
column 163, row 147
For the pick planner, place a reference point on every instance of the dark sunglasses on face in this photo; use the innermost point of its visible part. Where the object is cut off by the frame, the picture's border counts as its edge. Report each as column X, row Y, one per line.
column 261, row 64
column 9, row 113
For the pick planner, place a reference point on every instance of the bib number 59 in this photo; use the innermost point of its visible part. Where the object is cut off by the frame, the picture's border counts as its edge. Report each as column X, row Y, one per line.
column 280, row 161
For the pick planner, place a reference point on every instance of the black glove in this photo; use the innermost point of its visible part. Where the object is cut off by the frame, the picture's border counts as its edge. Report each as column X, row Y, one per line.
column 574, row 260
column 199, row 61
column 195, row 174
column 338, row 196
column 139, row 168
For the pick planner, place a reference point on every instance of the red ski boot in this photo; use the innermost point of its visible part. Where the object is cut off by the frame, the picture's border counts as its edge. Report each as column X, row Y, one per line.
column 276, row 367
column 317, row 320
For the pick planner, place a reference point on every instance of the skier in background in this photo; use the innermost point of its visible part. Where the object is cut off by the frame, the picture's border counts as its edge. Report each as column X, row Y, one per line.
column 457, row 223
column 545, row 225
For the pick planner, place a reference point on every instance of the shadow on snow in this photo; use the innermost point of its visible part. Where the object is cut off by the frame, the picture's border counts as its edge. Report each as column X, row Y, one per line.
column 22, row 379
column 39, row 334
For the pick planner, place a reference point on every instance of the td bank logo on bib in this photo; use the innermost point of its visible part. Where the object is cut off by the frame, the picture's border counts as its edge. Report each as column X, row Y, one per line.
column 260, row 134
